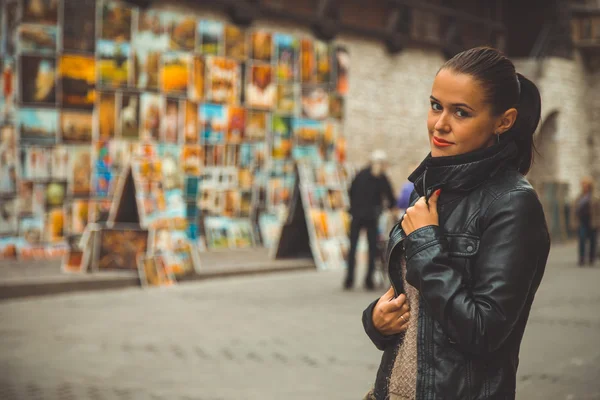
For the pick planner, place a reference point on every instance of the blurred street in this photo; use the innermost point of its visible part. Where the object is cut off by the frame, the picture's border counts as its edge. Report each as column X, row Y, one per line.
column 286, row 336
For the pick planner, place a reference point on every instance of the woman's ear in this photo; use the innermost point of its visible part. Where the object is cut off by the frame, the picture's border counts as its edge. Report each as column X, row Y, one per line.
column 506, row 120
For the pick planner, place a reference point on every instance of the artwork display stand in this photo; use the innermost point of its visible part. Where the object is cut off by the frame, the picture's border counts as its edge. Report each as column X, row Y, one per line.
column 317, row 220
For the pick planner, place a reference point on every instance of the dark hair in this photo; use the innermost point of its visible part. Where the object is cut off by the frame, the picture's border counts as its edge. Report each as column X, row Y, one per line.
column 505, row 89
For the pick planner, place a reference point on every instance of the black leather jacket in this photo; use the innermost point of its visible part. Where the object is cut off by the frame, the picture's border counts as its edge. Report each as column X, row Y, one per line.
column 477, row 274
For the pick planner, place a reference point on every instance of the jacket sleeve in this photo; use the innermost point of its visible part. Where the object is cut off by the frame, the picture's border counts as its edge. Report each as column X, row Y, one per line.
column 512, row 254
column 380, row 341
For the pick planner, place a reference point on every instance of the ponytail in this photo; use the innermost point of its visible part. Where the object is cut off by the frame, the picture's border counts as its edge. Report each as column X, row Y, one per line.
column 529, row 110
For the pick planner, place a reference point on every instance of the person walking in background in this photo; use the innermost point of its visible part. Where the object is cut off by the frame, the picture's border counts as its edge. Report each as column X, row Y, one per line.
column 407, row 189
column 586, row 217
column 368, row 190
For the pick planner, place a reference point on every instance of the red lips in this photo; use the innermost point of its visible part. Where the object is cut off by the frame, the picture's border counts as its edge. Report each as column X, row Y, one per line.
column 439, row 142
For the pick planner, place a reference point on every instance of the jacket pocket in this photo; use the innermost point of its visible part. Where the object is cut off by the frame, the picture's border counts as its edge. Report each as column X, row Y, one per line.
column 461, row 249
column 462, row 244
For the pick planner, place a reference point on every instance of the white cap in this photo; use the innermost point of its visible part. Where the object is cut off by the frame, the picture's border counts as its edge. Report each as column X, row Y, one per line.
column 378, row 156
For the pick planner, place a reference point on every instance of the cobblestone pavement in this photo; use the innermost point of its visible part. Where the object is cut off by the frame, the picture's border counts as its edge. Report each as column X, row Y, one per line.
column 289, row 336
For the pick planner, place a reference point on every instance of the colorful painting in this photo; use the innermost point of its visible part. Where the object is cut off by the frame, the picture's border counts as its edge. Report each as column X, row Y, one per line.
column 261, row 89
column 261, row 46
column 113, row 63
column 287, row 48
column 224, row 80
column 235, row 42
column 213, row 121
column 38, row 38
column 116, row 21
column 77, row 74
column 210, row 37
column 175, row 72
column 40, row 11
column 37, row 80
column 118, row 248
column 38, row 126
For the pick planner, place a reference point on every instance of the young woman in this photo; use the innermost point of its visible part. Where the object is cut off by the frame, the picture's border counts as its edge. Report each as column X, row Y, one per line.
column 469, row 253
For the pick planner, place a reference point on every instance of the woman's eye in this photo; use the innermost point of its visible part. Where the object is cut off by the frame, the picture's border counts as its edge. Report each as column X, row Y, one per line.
column 462, row 113
column 436, row 106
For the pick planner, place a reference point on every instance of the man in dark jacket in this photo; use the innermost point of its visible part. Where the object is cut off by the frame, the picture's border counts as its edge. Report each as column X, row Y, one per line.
column 367, row 192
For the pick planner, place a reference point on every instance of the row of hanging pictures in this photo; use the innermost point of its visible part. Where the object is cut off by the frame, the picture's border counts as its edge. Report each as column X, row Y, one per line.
column 83, row 80
column 134, row 41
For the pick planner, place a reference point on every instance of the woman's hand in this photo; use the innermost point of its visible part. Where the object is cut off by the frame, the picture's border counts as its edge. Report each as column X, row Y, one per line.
column 391, row 315
column 421, row 214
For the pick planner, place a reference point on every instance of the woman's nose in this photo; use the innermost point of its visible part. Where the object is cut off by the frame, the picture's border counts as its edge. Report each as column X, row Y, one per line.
column 442, row 124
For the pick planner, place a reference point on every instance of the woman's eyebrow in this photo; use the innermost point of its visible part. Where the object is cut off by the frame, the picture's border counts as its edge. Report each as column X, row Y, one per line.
column 453, row 104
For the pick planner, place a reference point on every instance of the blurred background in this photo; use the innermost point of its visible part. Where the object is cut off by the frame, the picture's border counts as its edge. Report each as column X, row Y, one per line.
column 174, row 184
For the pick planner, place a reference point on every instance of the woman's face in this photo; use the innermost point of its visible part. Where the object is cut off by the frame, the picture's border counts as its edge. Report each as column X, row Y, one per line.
column 459, row 119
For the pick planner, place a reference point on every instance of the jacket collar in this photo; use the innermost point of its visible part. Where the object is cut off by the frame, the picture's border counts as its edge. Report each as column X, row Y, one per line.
column 464, row 172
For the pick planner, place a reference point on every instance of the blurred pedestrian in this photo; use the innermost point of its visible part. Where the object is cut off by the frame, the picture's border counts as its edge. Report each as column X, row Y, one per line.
column 470, row 252
column 368, row 191
column 405, row 192
column 585, row 215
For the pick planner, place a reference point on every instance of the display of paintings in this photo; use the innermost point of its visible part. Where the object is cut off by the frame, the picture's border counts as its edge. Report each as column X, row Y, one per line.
column 80, row 171
column 8, row 216
column 149, row 42
column 175, row 72
column 213, row 123
column 197, row 78
column 286, row 55
column 307, row 61
column 257, row 125
column 315, row 102
column 190, row 128
column 76, row 126
column 152, row 113
column 8, row 160
column 38, row 38
column 181, row 29
column 170, row 133
column 119, row 247
column 287, row 95
column 32, row 229
column 128, row 119
column 281, row 147
column 79, row 216
column 187, row 93
column 73, row 262
column 77, row 74
column 113, row 63
column 60, row 163
column 322, row 62
column 235, row 42
column 270, row 227
column 38, row 126
column 25, row 198
column 236, row 125
column 55, row 225
column 261, row 46
column 153, row 272
column 307, row 131
column 79, row 33
column 37, row 80
column 107, row 108
column 261, row 89
column 210, row 37
column 40, row 11
column 116, row 21
column 223, row 80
